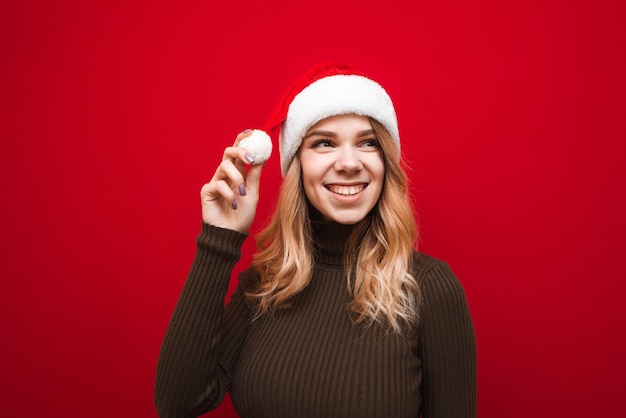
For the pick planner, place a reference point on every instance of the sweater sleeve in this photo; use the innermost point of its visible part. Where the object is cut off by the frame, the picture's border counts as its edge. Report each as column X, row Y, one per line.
column 203, row 338
column 447, row 347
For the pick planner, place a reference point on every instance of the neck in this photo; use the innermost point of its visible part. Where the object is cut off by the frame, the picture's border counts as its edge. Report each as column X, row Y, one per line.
column 330, row 240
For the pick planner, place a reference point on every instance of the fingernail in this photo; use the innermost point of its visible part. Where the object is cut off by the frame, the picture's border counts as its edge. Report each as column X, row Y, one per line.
column 242, row 189
column 249, row 158
column 234, row 204
column 247, row 130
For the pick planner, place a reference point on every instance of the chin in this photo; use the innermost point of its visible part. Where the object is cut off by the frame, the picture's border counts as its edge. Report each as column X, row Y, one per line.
column 348, row 219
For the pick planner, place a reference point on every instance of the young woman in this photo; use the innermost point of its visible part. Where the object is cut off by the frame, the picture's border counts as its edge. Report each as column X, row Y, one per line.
column 339, row 315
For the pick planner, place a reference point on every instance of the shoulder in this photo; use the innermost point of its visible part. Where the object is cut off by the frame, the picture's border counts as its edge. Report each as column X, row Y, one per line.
column 436, row 279
column 425, row 266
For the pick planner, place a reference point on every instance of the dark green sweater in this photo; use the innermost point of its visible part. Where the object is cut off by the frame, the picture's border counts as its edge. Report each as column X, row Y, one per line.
column 310, row 360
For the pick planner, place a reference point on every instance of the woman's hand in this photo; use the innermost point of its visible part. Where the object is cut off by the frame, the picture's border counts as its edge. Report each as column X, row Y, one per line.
column 230, row 199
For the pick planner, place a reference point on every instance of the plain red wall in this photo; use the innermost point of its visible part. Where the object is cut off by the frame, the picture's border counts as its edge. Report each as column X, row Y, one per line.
column 113, row 114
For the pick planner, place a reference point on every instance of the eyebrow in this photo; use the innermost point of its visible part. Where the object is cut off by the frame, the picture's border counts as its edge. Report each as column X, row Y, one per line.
column 333, row 134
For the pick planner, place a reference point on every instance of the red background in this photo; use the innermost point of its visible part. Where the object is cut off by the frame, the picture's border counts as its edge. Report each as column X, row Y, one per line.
column 113, row 114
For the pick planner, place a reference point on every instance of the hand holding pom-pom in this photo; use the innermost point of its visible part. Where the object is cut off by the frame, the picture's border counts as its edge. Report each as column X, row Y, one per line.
column 259, row 144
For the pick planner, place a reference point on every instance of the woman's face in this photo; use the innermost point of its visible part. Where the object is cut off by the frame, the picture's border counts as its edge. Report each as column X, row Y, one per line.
column 342, row 168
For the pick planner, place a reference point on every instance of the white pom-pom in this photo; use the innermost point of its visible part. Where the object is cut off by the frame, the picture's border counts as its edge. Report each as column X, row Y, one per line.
column 259, row 144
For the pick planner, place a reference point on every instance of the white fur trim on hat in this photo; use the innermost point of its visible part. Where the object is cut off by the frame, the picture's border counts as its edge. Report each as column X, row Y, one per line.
column 330, row 96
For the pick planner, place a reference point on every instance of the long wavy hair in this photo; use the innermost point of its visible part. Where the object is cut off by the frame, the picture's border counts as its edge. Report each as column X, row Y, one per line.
column 378, row 253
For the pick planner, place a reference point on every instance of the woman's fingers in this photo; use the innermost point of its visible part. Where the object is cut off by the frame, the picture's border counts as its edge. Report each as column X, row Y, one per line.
column 228, row 171
column 241, row 136
column 233, row 166
column 229, row 200
column 215, row 190
column 253, row 178
column 240, row 157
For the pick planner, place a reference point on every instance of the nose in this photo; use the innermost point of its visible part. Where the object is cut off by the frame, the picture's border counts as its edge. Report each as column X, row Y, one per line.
column 348, row 159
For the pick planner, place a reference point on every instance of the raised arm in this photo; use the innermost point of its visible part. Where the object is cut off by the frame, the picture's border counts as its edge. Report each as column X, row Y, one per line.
column 202, row 340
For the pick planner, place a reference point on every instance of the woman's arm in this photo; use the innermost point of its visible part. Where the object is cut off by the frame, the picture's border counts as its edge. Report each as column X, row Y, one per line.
column 448, row 347
column 203, row 339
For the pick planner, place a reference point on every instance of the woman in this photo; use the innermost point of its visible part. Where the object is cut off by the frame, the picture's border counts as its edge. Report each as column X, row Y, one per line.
column 338, row 314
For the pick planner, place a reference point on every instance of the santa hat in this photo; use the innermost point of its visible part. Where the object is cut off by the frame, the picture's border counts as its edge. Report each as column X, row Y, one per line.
column 326, row 90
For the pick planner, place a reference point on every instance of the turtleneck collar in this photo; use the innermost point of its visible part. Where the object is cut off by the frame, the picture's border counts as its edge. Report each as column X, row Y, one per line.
column 330, row 239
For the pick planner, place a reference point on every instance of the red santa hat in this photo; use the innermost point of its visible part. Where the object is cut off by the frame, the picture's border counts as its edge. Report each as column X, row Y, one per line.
column 326, row 90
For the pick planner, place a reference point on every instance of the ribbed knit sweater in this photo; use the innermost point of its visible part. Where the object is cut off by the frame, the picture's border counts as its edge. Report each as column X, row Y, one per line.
column 310, row 359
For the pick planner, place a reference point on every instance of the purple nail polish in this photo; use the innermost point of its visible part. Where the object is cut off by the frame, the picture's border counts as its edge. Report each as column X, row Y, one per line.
column 249, row 158
column 234, row 204
column 242, row 190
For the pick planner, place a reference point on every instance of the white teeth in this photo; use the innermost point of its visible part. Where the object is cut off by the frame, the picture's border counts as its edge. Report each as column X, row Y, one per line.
column 346, row 190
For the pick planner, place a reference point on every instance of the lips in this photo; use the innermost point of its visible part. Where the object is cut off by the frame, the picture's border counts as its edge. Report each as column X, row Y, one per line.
column 346, row 190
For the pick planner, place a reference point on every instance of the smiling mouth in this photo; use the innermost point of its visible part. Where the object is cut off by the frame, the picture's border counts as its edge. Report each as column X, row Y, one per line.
column 346, row 190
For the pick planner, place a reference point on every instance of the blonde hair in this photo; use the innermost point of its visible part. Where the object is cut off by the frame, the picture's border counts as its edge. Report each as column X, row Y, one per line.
column 378, row 256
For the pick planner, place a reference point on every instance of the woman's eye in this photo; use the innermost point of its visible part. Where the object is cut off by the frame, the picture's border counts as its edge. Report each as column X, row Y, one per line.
column 321, row 143
column 372, row 142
